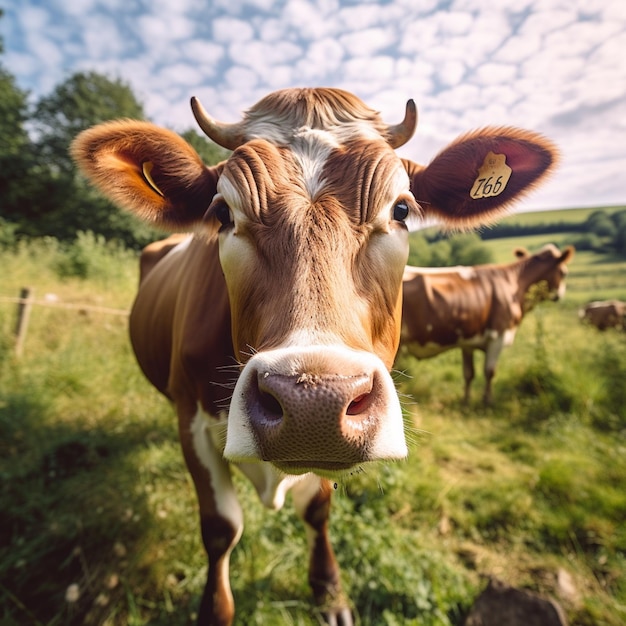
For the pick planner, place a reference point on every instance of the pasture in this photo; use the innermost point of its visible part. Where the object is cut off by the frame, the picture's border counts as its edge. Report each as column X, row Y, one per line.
column 98, row 522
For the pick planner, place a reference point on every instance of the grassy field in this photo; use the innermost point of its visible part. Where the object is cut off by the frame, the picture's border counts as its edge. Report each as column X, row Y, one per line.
column 531, row 218
column 98, row 519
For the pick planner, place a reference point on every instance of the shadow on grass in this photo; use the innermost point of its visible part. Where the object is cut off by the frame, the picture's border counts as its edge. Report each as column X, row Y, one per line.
column 75, row 520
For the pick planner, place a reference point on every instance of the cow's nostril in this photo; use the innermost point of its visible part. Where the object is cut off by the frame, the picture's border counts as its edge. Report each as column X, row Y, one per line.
column 272, row 409
column 359, row 404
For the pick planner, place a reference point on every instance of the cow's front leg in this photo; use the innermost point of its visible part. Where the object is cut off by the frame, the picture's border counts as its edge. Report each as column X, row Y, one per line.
column 312, row 498
column 221, row 517
column 217, row 607
column 468, row 373
column 492, row 354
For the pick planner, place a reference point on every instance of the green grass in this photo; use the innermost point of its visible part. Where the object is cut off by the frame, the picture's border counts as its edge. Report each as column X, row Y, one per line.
column 533, row 218
column 94, row 492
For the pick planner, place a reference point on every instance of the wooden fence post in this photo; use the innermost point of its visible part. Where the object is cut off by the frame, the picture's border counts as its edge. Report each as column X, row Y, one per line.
column 23, row 314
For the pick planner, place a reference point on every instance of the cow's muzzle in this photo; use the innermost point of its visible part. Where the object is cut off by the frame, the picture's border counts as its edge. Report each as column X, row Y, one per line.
column 324, row 409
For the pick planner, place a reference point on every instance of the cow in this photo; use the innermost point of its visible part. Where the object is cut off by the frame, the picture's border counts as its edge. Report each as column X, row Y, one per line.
column 273, row 327
column 477, row 308
column 604, row 314
column 155, row 251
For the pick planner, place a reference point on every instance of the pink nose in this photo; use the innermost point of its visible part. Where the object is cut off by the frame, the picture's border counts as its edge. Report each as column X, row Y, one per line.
column 326, row 422
column 314, row 408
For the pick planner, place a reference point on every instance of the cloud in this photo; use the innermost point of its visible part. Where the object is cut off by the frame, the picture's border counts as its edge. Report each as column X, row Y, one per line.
column 363, row 16
column 155, row 32
column 204, row 54
column 228, row 29
column 260, row 53
column 555, row 66
column 310, row 22
column 101, row 37
column 366, row 42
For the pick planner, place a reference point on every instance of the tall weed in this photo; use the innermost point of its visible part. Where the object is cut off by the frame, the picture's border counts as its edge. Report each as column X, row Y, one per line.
column 546, row 389
column 609, row 413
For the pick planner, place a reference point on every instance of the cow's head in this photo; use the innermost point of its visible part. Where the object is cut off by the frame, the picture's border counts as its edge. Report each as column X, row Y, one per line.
column 311, row 211
column 546, row 270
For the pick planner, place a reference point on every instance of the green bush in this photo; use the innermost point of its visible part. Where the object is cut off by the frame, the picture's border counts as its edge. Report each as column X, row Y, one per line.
column 589, row 241
column 91, row 256
column 459, row 249
column 8, row 238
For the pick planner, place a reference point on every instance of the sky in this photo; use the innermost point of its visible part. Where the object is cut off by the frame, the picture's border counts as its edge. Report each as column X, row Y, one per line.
column 557, row 67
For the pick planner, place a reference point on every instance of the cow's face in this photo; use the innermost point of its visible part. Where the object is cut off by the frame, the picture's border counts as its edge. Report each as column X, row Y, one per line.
column 550, row 266
column 310, row 210
column 314, row 262
column 313, row 243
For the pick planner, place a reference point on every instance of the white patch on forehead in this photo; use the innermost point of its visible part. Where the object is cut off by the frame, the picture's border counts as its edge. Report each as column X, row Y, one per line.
column 272, row 131
column 311, row 149
column 312, row 146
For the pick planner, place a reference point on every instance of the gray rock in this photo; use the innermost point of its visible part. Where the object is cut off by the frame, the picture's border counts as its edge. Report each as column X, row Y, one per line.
column 502, row 605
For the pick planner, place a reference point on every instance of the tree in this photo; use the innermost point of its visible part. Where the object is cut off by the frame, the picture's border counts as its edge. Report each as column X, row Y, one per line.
column 16, row 150
column 619, row 239
column 468, row 249
column 600, row 223
column 441, row 251
column 64, row 203
column 85, row 99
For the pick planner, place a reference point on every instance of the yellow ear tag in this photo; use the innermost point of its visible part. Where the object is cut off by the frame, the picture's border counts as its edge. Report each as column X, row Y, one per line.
column 147, row 169
column 492, row 178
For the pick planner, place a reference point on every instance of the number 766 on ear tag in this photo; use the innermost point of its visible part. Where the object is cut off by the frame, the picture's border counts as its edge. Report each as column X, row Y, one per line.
column 492, row 178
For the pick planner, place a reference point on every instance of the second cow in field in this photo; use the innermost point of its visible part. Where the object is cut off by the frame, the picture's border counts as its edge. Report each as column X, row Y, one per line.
column 604, row 314
column 477, row 308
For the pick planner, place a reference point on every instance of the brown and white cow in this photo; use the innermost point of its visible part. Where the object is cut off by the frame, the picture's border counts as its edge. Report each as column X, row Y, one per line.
column 604, row 314
column 155, row 251
column 477, row 308
column 273, row 328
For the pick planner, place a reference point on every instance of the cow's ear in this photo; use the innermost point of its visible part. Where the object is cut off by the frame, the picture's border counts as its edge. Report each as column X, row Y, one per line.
column 150, row 171
column 568, row 254
column 480, row 174
column 521, row 253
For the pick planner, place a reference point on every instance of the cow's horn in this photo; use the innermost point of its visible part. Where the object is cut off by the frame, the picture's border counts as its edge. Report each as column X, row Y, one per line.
column 400, row 133
column 228, row 136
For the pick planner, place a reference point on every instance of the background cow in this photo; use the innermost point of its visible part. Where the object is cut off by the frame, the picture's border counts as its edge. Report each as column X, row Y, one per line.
column 273, row 328
column 604, row 314
column 477, row 308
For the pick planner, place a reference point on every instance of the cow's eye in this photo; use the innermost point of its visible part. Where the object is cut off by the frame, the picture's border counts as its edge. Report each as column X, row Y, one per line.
column 223, row 214
column 400, row 211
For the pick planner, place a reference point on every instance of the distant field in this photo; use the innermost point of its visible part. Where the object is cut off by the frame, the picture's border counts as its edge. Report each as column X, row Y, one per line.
column 530, row 218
